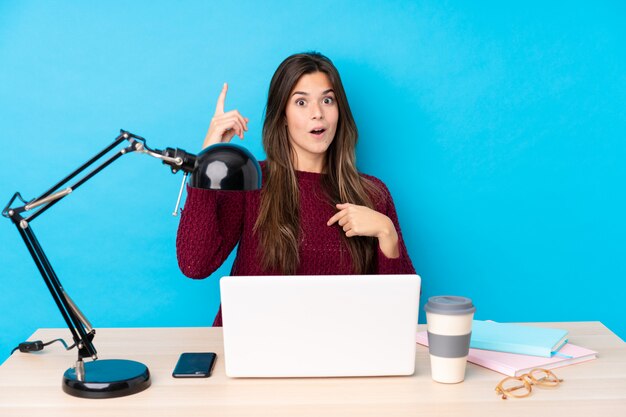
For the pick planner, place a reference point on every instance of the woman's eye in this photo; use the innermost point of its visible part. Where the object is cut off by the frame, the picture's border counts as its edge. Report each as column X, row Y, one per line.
column 300, row 102
column 329, row 100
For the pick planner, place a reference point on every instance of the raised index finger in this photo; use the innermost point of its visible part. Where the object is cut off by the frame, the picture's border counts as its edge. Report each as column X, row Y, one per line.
column 219, row 108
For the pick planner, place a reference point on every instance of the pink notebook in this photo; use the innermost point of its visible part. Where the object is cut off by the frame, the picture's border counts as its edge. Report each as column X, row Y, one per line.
column 515, row 365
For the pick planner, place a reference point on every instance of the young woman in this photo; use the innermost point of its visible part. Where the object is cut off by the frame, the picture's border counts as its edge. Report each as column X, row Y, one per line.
column 315, row 214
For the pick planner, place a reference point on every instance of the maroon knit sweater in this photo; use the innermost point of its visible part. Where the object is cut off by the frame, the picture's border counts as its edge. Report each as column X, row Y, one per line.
column 213, row 222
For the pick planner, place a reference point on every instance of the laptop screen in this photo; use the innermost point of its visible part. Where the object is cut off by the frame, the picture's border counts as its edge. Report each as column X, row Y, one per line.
column 328, row 325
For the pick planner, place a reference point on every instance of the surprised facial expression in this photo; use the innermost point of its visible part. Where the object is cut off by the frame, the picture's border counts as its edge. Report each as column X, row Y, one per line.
column 312, row 116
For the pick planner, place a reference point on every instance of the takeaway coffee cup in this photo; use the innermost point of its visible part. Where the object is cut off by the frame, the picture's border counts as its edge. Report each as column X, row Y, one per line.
column 449, row 322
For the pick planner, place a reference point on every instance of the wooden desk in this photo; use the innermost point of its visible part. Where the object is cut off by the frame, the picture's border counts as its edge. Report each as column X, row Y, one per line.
column 31, row 383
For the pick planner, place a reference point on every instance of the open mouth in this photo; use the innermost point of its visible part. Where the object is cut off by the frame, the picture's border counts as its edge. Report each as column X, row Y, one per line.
column 318, row 131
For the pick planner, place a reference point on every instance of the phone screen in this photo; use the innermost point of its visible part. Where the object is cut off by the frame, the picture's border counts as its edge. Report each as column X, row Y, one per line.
column 194, row 365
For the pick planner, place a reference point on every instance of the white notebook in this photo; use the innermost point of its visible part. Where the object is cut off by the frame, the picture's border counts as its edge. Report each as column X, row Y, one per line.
column 320, row 326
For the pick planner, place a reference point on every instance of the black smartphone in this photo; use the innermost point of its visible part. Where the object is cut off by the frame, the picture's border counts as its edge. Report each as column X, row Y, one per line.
column 194, row 365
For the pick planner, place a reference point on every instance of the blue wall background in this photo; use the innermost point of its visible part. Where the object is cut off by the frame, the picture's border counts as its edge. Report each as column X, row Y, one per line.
column 498, row 127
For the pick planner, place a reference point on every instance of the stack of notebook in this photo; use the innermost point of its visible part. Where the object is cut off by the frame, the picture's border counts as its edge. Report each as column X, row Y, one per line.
column 514, row 349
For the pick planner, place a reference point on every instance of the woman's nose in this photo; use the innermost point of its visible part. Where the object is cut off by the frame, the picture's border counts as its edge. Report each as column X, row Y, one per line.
column 316, row 111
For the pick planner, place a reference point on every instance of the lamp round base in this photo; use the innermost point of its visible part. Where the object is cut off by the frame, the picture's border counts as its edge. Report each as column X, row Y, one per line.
column 108, row 378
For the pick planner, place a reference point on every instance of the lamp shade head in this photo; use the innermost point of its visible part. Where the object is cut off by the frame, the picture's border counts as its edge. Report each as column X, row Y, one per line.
column 225, row 166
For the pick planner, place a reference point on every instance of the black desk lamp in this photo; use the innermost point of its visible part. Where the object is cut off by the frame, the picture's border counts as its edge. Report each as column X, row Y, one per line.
column 219, row 167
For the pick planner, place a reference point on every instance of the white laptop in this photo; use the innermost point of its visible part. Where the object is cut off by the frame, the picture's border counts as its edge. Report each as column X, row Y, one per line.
column 320, row 326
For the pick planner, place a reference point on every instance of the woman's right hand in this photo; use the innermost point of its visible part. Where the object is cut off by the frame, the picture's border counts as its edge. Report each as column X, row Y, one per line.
column 225, row 125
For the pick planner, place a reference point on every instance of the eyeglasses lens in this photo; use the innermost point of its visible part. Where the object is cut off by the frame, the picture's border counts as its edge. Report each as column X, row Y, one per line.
column 543, row 377
column 515, row 387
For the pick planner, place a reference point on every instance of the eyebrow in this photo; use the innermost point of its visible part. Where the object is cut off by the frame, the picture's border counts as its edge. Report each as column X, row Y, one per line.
column 306, row 94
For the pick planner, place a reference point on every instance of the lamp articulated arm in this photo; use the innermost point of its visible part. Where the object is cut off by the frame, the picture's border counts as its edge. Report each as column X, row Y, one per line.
column 23, row 215
column 218, row 167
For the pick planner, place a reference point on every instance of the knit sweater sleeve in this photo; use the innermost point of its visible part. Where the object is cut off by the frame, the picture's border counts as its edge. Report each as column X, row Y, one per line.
column 210, row 226
column 401, row 264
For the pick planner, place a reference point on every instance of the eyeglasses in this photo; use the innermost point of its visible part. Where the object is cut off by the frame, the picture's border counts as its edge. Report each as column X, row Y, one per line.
column 521, row 386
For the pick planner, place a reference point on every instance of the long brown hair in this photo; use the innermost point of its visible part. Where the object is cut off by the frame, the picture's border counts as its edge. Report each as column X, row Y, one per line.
column 278, row 224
